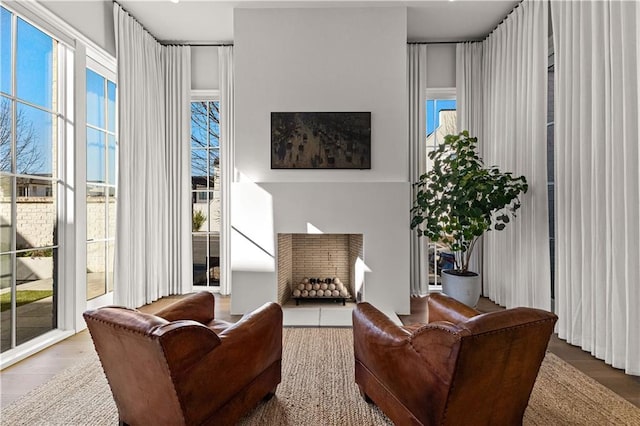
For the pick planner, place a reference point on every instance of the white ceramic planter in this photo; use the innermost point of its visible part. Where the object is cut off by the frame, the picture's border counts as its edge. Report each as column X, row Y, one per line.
column 465, row 289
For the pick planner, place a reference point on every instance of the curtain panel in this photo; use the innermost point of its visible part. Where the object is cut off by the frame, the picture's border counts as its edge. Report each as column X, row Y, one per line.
column 227, row 144
column 417, row 90
column 150, row 167
column 470, row 113
column 177, row 66
column 596, row 47
column 502, row 84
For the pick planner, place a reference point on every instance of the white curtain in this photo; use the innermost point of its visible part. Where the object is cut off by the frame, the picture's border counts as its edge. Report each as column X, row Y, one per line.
column 177, row 66
column 146, row 226
column 417, row 88
column 469, row 94
column 470, row 111
column 507, row 109
column 597, row 118
column 225, row 64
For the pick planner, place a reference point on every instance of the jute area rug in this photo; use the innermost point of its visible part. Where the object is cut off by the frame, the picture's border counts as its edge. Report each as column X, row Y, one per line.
column 318, row 389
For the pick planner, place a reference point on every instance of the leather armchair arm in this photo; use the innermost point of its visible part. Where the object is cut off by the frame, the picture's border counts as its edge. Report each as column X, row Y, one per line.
column 368, row 319
column 378, row 341
column 185, row 342
column 445, row 308
column 259, row 334
column 197, row 307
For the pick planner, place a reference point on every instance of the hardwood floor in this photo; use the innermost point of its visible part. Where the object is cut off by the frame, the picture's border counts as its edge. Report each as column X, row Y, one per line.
column 26, row 375
column 624, row 385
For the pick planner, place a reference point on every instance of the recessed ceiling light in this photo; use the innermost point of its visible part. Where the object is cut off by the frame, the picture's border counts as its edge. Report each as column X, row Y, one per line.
column 174, row 1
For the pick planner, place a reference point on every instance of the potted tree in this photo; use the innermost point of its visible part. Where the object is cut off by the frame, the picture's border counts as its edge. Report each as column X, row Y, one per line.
column 457, row 201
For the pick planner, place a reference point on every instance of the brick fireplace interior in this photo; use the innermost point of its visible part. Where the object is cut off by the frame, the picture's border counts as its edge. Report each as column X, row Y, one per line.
column 319, row 256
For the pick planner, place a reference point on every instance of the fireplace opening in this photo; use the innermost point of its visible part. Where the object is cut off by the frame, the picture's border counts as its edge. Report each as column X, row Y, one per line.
column 320, row 268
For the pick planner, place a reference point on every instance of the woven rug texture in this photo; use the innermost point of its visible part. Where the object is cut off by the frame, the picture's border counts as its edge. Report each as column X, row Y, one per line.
column 318, row 389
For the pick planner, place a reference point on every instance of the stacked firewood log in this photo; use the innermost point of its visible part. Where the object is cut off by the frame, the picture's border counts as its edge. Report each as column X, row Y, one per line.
column 321, row 287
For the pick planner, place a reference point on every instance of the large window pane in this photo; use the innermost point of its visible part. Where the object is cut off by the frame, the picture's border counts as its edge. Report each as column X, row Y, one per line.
column 29, row 127
column 36, row 212
column 95, row 156
column 96, row 262
column 6, row 278
column 95, row 100
column 5, row 50
column 101, row 181
column 205, row 180
column 34, row 293
column 6, row 120
column 6, row 230
column 96, row 212
column 34, row 64
column 441, row 120
column 34, row 141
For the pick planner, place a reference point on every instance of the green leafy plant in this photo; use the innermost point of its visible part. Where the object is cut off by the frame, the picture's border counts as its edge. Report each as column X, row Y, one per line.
column 460, row 199
column 197, row 220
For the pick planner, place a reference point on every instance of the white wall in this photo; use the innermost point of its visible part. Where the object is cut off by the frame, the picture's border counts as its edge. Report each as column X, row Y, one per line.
column 94, row 19
column 204, row 68
column 346, row 59
column 328, row 59
column 441, row 66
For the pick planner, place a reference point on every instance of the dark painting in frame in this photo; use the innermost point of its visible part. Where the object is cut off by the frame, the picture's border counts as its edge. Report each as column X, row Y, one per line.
column 321, row 140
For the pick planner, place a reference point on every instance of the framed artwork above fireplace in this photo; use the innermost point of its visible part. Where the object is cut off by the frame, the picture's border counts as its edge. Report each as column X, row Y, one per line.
column 321, row 140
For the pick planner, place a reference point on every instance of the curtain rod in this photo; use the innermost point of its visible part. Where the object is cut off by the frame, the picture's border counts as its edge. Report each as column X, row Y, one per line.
column 442, row 42
column 503, row 19
column 193, row 44
column 136, row 19
column 471, row 41
column 170, row 43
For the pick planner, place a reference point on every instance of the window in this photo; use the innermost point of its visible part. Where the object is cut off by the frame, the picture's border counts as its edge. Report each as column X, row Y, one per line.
column 31, row 117
column 550, row 162
column 441, row 120
column 101, row 183
column 205, row 185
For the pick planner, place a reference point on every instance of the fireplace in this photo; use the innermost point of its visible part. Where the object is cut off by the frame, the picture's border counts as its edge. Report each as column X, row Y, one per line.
column 318, row 266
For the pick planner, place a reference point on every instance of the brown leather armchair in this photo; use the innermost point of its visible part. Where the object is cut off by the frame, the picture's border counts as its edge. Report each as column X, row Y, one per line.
column 183, row 367
column 461, row 368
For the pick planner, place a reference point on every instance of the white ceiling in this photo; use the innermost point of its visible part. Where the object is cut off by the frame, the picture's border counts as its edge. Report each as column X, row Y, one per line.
column 212, row 20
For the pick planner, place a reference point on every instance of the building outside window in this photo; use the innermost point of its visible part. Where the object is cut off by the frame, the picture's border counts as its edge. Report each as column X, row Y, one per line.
column 205, row 186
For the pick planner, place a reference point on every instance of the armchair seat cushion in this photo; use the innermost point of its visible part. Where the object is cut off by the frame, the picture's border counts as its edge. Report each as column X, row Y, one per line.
column 218, row 326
